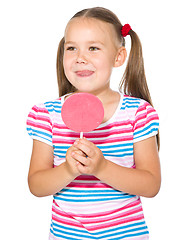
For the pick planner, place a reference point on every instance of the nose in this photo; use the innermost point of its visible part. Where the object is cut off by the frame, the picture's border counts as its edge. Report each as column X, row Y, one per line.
column 81, row 57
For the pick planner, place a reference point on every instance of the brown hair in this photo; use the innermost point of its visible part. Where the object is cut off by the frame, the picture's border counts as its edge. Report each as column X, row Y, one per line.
column 133, row 81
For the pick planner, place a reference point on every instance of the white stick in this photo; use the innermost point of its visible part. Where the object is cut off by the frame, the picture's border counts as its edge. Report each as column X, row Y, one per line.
column 81, row 134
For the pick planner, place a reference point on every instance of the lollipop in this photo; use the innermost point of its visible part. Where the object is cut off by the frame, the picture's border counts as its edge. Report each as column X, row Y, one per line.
column 82, row 112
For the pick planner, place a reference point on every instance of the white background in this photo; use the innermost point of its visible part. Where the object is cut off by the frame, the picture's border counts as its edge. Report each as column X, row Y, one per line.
column 30, row 33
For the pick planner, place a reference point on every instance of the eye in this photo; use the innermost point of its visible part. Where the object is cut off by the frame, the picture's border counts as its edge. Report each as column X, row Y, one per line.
column 94, row 48
column 70, row 48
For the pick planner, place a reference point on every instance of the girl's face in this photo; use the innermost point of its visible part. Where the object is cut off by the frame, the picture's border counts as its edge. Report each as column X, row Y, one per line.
column 90, row 53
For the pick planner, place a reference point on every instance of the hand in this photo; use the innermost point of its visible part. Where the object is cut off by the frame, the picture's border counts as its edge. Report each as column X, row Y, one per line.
column 71, row 163
column 93, row 162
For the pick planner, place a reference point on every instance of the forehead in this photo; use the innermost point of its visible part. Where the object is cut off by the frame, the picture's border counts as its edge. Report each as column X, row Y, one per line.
column 94, row 29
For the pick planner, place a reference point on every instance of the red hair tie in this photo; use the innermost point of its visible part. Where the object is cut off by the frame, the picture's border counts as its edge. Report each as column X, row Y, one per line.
column 125, row 30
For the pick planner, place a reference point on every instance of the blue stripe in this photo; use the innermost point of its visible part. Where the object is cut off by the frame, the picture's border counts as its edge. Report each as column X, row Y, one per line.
column 130, row 235
column 91, row 191
column 62, row 147
column 115, row 146
column 51, row 110
column 131, row 100
column 60, row 152
column 108, row 231
column 39, row 134
column 105, row 153
column 64, row 236
column 118, row 155
column 96, row 235
column 50, row 105
column 53, row 106
column 152, row 127
column 63, row 154
column 90, row 200
column 101, row 147
column 82, row 195
column 53, row 103
column 129, row 106
column 90, row 195
column 118, row 150
column 34, row 132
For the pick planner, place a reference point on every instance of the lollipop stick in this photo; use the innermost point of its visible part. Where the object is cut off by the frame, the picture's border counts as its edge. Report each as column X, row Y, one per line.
column 81, row 134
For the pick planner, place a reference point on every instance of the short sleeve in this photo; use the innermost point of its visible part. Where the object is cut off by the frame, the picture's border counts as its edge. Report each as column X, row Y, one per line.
column 39, row 124
column 146, row 123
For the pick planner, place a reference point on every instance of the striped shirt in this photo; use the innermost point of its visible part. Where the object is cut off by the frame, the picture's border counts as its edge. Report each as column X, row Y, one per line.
column 88, row 208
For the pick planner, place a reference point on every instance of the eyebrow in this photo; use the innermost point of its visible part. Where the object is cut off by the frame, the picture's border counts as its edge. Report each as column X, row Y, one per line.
column 89, row 42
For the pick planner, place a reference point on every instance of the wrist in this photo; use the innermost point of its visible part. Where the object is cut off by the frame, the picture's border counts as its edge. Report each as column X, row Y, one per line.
column 102, row 169
column 69, row 171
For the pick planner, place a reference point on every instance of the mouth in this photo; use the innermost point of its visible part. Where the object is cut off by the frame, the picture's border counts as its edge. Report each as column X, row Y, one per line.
column 84, row 73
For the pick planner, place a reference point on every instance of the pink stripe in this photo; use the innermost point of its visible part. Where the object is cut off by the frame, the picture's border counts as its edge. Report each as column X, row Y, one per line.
column 115, row 124
column 60, row 126
column 99, row 226
column 66, row 134
column 67, row 222
column 143, row 106
column 39, row 117
column 135, row 204
column 87, row 178
column 144, row 116
column 107, row 134
column 62, row 214
column 110, row 140
column 39, row 109
column 107, row 127
column 88, row 185
column 105, row 219
column 115, row 223
column 39, row 126
column 142, row 124
column 94, row 134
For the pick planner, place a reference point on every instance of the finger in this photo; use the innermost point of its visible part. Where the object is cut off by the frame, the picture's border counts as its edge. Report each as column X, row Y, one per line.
column 79, row 152
column 82, row 168
column 83, row 141
column 82, row 159
column 86, row 146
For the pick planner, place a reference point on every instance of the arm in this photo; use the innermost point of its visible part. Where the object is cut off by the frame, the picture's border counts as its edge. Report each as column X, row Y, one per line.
column 143, row 181
column 45, row 180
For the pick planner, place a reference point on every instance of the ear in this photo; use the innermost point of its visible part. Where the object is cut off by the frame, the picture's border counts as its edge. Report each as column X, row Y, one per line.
column 120, row 57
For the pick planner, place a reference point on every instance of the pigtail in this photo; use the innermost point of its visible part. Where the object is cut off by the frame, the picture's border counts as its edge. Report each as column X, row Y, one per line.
column 64, row 86
column 134, row 79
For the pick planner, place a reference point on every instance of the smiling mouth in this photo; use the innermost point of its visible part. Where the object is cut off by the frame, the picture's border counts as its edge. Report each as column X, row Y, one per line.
column 84, row 73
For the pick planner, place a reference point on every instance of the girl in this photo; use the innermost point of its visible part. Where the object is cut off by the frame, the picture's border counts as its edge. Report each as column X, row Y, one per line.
column 96, row 181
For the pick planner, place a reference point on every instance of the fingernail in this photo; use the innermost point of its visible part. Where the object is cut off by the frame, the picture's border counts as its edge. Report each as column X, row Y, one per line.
column 76, row 142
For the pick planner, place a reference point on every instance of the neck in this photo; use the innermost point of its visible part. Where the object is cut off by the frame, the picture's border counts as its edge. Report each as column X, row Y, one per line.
column 104, row 95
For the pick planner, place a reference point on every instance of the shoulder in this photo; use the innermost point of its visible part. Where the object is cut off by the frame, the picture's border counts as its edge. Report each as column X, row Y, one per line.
column 48, row 107
column 54, row 105
column 142, row 116
column 44, row 112
column 130, row 102
column 41, row 119
column 136, row 105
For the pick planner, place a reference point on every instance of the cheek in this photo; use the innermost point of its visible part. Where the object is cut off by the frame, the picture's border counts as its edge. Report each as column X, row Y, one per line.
column 105, row 62
column 66, row 64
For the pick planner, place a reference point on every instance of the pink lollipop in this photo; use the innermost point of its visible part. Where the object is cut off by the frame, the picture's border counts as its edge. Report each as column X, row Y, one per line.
column 82, row 112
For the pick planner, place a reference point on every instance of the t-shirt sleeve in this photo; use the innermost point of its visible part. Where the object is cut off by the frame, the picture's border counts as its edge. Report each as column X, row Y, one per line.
column 39, row 124
column 146, row 123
